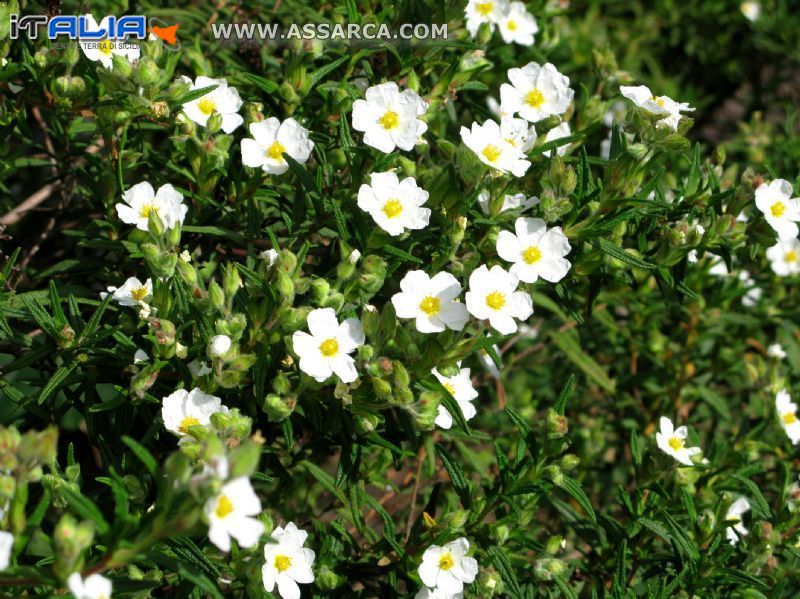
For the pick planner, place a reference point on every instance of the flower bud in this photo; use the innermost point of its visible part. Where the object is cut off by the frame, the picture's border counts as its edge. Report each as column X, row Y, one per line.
column 401, row 378
column 554, row 545
column 231, row 281
column 382, row 388
column 218, row 346
column 328, row 580
column 569, row 462
column 490, row 585
column 285, row 286
column 121, row 65
column 557, row 425
column 214, row 123
column 319, row 290
column 155, row 225
column 147, row 73
column 366, row 423
column 217, row 296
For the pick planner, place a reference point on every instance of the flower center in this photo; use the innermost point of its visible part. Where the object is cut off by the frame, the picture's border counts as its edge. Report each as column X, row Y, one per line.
column 495, row 300
column 206, row 106
column 276, row 150
column 145, row 210
column 450, row 388
column 676, row 443
column 430, row 305
column 790, row 256
column 789, row 418
column 491, row 152
column 512, row 25
column 106, row 46
column 532, row 255
column 282, row 563
column 184, row 428
column 446, row 562
column 224, row 506
column 389, row 120
column 139, row 293
column 329, row 347
column 534, row 98
column 484, row 8
column 392, row 208
column 777, row 209
column 658, row 100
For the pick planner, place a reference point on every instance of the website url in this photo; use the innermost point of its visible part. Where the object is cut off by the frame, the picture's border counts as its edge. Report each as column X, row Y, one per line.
column 325, row 31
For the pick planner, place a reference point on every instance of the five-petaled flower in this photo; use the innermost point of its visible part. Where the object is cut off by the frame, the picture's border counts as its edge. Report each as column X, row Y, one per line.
column 787, row 412
column 780, row 209
column 460, row 387
column 664, row 107
column 93, row 586
column 431, row 301
column 447, row 568
column 287, row 562
column 222, row 100
column 535, row 250
column 536, row 92
column 140, row 200
column 517, row 25
column 494, row 150
column 103, row 50
column 230, row 514
column 784, row 257
column 394, row 205
column 389, row 118
column 733, row 518
column 493, row 296
column 183, row 409
column 672, row 441
column 326, row 350
column 132, row 293
column 271, row 140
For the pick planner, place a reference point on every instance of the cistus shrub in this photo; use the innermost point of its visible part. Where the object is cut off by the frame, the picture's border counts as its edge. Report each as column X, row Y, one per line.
column 501, row 301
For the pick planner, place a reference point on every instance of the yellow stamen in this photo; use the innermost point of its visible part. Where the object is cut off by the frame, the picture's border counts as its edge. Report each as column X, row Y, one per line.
column 676, row 443
column 491, row 152
column 224, row 506
column 789, row 418
column 512, row 25
column 658, row 100
column 392, row 208
column 446, row 562
column 329, row 347
column 790, row 256
column 283, row 563
column 777, row 209
column 430, row 305
column 206, row 106
column 484, row 8
column 495, row 300
column 450, row 388
column 389, row 120
column 139, row 293
column 145, row 210
column 534, row 98
column 532, row 255
column 276, row 150
column 106, row 46
column 186, row 423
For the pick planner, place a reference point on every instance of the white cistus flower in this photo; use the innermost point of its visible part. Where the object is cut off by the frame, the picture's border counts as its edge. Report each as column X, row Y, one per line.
column 132, row 293
column 426, row 593
column 493, row 149
column 448, row 568
column 271, row 140
column 563, row 130
column 517, row 25
column 102, row 50
column 518, row 132
column 394, row 205
column 198, row 368
column 222, row 100
column 183, row 409
column 672, row 441
column 775, row 350
column 535, row 251
column 389, row 118
column 479, row 12
column 784, row 257
column 787, row 412
column 780, row 210
column 325, row 351
column 6, row 545
column 140, row 356
column 536, row 92
column 733, row 518
column 93, row 586
column 218, row 346
column 493, row 296
column 668, row 109
column 140, row 200
column 460, row 387
column 431, row 301
column 230, row 514
column 510, row 202
column 287, row 562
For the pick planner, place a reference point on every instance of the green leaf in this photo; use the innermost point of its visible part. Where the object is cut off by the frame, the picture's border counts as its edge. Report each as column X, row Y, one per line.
column 758, row 503
column 195, row 94
column 456, row 474
column 499, row 560
column 145, row 457
column 567, row 343
column 85, row 508
column 561, row 404
column 575, row 490
column 613, row 250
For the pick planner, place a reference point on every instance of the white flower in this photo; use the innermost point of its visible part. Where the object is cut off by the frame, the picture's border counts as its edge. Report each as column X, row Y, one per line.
column 479, row 12
column 140, row 200
column 287, row 562
column 775, row 350
column 230, row 514
column 272, row 139
column 447, row 568
column 751, row 10
column 184, row 409
column 132, row 293
column 354, row 257
column 389, row 117
column 460, row 387
column 517, row 25
column 663, row 106
column 426, row 593
column 784, row 257
column 198, row 368
column 510, row 202
column 563, row 130
column 718, row 267
column 325, row 351
column 518, row 133
column 104, row 49
column 787, row 411
column 753, row 293
column 431, row 301
column 222, row 100
column 93, row 586
column 493, row 295
column 6, row 545
column 493, row 149
column 140, row 356
column 488, row 363
column 535, row 251
column 219, row 345
column 394, row 205
column 270, row 256
column 734, row 517
column 782, row 211
column 536, row 92
column 672, row 442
